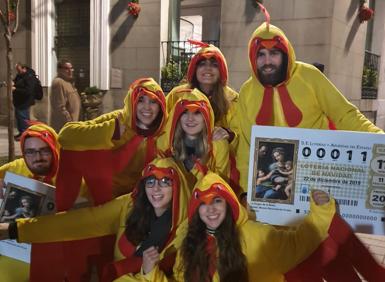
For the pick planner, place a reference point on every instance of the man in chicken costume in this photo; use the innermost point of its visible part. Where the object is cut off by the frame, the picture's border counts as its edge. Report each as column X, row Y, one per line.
column 284, row 92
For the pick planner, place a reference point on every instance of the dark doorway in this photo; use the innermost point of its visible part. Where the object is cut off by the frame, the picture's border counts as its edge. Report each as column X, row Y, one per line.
column 72, row 39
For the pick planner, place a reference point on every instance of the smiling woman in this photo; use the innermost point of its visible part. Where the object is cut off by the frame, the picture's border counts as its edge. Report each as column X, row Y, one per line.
column 222, row 244
column 188, row 136
column 145, row 223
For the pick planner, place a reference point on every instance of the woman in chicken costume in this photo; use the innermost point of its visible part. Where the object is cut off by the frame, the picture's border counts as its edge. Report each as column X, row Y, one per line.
column 208, row 72
column 146, row 219
column 222, row 244
column 188, row 136
column 110, row 151
column 108, row 154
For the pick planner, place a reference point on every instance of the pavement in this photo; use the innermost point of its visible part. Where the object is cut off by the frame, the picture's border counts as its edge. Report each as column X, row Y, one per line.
column 375, row 243
column 4, row 142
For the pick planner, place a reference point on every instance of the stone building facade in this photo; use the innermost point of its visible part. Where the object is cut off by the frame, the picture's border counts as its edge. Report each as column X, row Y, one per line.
column 122, row 48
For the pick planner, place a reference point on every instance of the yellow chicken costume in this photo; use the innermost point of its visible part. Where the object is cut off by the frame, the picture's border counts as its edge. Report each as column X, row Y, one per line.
column 94, row 150
column 206, row 52
column 109, row 219
column 305, row 99
column 269, row 252
column 12, row 270
column 226, row 121
column 218, row 152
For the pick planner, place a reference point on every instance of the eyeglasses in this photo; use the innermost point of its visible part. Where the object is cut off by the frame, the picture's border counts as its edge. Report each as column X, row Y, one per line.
column 42, row 152
column 163, row 182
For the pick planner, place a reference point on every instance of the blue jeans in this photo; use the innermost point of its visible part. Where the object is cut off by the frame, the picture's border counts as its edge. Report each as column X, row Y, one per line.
column 22, row 116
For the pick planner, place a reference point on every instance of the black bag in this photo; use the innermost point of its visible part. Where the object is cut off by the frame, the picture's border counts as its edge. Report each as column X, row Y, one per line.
column 38, row 89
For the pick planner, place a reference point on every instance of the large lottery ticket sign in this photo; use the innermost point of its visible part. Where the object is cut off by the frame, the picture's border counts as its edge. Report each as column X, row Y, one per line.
column 287, row 163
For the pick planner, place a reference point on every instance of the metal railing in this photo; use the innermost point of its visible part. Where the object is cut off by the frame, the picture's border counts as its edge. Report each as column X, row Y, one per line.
column 370, row 76
column 177, row 55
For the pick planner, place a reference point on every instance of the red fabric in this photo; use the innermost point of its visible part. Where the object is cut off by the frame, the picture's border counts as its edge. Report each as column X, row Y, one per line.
column 211, row 249
column 266, row 13
column 338, row 258
column 74, row 165
column 69, row 261
column 293, row 115
column 266, row 111
column 331, row 124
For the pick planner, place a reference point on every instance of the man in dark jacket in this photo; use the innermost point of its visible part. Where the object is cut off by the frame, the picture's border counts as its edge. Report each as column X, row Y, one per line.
column 23, row 96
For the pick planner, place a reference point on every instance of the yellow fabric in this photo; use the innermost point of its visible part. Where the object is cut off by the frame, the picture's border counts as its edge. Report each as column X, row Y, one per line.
column 269, row 252
column 315, row 96
column 219, row 158
column 12, row 270
column 231, row 96
column 97, row 134
column 17, row 166
column 98, row 221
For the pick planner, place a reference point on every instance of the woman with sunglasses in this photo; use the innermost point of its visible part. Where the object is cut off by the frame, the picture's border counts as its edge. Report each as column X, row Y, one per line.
column 222, row 244
column 189, row 136
column 145, row 223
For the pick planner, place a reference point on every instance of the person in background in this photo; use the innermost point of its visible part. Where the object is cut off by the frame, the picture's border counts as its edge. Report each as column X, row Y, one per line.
column 23, row 96
column 64, row 98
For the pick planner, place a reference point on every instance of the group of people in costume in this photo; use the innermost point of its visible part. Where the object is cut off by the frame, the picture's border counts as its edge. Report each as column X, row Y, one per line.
column 162, row 176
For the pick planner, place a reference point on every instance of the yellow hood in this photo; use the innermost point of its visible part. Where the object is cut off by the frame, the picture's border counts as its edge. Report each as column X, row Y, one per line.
column 143, row 86
column 48, row 135
column 213, row 184
column 206, row 52
column 180, row 195
column 165, row 142
column 269, row 36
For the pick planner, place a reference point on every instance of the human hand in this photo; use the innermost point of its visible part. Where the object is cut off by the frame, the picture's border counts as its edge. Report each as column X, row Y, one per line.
column 150, row 259
column 320, row 197
column 4, row 231
column 219, row 133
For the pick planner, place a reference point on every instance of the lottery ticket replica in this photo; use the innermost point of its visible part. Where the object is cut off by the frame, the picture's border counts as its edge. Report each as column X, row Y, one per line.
column 287, row 163
column 24, row 198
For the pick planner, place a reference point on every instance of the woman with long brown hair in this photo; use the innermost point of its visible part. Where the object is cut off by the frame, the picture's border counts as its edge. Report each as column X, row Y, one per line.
column 208, row 72
column 222, row 244
column 145, row 223
column 188, row 136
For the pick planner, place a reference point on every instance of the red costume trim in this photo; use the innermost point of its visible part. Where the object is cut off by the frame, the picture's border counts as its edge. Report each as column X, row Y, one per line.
column 216, row 189
column 205, row 55
column 338, row 259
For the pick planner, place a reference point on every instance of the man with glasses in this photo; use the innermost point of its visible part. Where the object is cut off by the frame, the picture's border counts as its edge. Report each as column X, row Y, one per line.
column 64, row 98
column 40, row 161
